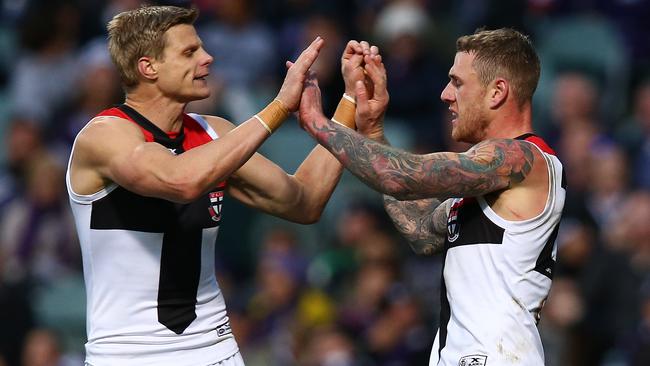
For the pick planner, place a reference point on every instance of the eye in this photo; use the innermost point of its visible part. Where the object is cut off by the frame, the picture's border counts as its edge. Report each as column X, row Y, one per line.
column 190, row 51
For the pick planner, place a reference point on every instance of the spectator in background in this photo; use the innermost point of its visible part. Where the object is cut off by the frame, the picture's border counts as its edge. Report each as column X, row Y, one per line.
column 634, row 134
column 98, row 87
column 608, row 178
column 330, row 346
column 37, row 234
column 402, row 29
column 244, row 61
column 577, row 131
column 42, row 348
column 46, row 69
column 279, row 286
column 23, row 144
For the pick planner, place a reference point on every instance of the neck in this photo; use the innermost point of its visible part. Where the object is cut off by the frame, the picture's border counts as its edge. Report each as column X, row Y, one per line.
column 162, row 112
column 510, row 123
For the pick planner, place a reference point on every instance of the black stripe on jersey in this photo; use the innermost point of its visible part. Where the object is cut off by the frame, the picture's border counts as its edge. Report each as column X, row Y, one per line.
column 180, row 263
column 473, row 227
column 545, row 263
column 445, row 309
column 180, row 269
column 125, row 210
column 122, row 209
column 524, row 136
column 182, row 227
column 159, row 135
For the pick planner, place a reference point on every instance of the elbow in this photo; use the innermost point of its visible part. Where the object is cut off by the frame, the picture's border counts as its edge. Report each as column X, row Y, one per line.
column 307, row 218
column 184, row 189
column 424, row 249
column 425, row 246
column 312, row 219
column 399, row 193
column 395, row 189
column 420, row 251
column 186, row 195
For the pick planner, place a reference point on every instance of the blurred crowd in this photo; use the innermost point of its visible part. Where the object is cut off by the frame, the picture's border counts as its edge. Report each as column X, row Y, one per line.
column 346, row 291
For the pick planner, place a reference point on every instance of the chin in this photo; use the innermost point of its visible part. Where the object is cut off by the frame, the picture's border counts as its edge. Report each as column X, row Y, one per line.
column 196, row 97
column 463, row 137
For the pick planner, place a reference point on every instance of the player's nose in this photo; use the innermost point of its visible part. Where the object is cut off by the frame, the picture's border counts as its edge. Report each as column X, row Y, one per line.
column 447, row 95
column 206, row 58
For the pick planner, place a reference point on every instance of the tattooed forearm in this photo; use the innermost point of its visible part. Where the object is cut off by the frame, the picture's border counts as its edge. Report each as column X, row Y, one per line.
column 489, row 166
column 422, row 222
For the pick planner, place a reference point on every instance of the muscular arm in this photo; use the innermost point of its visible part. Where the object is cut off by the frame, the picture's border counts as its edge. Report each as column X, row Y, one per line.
column 489, row 166
column 422, row 222
column 300, row 197
column 112, row 149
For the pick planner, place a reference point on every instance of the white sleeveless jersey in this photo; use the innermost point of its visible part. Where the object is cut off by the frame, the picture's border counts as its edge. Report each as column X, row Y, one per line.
column 152, row 295
column 496, row 277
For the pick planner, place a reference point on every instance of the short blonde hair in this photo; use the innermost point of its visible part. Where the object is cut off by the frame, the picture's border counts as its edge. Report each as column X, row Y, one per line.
column 141, row 32
column 504, row 53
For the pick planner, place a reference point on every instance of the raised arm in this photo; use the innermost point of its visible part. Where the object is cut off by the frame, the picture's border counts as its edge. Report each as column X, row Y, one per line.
column 301, row 197
column 111, row 149
column 422, row 222
column 489, row 166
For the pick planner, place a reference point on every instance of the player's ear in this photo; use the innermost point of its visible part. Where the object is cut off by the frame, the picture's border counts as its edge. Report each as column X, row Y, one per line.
column 498, row 92
column 147, row 68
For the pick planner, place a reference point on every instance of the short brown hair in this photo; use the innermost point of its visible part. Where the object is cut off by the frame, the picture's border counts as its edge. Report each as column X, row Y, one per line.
column 504, row 53
column 140, row 32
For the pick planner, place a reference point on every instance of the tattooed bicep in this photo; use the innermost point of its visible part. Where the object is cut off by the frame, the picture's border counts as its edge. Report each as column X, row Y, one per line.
column 494, row 164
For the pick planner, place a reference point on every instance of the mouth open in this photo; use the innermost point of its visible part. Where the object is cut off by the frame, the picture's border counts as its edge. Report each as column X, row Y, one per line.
column 454, row 116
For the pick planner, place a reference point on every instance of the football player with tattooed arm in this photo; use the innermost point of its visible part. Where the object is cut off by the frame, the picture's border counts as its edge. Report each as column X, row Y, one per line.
column 146, row 182
column 493, row 212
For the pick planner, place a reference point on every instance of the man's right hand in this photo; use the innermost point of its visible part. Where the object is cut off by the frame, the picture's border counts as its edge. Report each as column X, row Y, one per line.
column 372, row 104
column 352, row 64
column 291, row 89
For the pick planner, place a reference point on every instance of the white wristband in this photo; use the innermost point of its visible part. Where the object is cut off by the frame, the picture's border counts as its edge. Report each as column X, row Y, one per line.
column 349, row 98
column 263, row 123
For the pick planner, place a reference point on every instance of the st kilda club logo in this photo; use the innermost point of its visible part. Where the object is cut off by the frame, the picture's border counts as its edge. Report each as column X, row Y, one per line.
column 216, row 200
column 453, row 227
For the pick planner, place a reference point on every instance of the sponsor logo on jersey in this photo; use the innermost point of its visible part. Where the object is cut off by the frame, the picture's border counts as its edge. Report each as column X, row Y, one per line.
column 216, row 199
column 223, row 329
column 453, row 227
column 473, row 360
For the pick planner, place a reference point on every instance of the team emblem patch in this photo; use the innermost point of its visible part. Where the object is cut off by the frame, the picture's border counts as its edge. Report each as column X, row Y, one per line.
column 473, row 360
column 216, row 199
column 453, row 227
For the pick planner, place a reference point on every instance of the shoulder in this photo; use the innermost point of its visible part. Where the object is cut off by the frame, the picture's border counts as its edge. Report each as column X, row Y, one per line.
column 504, row 150
column 503, row 146
column 103, row 132
column 511, row 157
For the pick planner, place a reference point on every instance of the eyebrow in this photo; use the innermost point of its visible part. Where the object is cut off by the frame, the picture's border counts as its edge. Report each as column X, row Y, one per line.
column 192, row 46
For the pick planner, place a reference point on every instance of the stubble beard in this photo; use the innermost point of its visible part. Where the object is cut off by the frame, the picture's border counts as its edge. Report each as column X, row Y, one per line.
column 471, row 127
